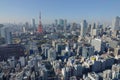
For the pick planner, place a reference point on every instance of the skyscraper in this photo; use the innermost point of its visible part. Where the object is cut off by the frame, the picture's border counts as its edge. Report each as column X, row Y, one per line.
column 9, row 37
column 6, row 33
column 33, row 25
column 33, row 22
column 116, row 26
column 116, row 23
column 65, row 25
column 56, row 22
column 61, row 22
column 83, row 28
column 94, row 31
column 1, row 25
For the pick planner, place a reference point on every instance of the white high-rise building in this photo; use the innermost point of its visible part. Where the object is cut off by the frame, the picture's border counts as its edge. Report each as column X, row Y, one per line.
column 94, row 31
column 83, row 28
column 97, row 43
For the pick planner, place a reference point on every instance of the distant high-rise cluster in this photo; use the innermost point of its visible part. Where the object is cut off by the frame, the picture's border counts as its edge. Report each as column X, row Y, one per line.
column 61, row 24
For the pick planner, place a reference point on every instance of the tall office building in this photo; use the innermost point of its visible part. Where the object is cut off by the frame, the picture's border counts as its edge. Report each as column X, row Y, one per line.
column 9, row 37
column 89, row 28
column 2, row 32
column 56, row 22
column 61, row 22
column 1, row 25
column 94, row 30
column 83, row 28
column 33, row 25
column 65, row 25
column 99, row 45
column 116, row 23
column 116, row 26
column 73, row 26
column 33, row 22
column 27, row 25
column 6, row 33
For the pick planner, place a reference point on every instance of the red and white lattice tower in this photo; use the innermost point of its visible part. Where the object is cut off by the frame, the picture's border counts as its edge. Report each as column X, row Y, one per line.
column 40, row 29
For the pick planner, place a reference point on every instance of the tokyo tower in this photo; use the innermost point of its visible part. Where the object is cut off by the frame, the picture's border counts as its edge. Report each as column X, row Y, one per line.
column 40, row 29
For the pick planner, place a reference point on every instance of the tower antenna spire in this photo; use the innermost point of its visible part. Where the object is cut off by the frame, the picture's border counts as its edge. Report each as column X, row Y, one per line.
column 40, row 16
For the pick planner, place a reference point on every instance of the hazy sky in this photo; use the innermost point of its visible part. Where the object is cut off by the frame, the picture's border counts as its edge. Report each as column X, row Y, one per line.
column 73, row 10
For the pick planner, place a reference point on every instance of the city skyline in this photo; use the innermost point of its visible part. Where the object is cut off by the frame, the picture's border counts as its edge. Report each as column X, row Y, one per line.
column 59, row 40
column 74, row 11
